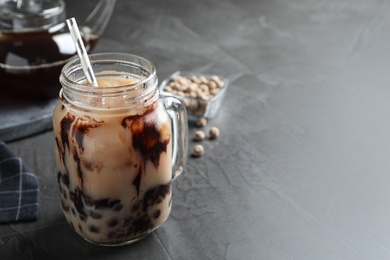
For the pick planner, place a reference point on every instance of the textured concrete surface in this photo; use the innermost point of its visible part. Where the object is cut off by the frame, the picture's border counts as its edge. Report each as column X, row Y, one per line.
column 301, row 169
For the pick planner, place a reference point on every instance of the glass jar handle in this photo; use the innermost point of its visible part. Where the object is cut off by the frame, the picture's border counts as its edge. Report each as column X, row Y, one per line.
column 178, row 114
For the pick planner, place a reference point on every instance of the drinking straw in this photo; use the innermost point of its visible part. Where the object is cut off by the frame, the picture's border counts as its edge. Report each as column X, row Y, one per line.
column 83, row 55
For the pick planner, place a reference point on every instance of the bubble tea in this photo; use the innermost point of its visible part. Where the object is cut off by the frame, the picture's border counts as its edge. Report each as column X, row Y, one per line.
column 114, row 146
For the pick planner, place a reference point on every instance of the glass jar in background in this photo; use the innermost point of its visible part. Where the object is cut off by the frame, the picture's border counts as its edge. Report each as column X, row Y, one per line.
column 118, row 147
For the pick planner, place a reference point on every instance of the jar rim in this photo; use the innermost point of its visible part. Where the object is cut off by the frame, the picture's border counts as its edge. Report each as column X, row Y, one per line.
column 143, row 90
column 118, row 57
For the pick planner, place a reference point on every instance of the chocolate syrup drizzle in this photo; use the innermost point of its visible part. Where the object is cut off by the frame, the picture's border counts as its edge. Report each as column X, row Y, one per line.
column 75, row 129
column 146, row 135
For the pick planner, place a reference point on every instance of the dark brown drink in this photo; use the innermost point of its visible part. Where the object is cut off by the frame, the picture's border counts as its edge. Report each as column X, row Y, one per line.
column 31, row 62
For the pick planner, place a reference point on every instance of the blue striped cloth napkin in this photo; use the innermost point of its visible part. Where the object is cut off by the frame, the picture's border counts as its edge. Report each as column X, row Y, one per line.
column 19, row 188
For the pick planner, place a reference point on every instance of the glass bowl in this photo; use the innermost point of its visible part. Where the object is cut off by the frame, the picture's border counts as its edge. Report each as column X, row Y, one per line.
column 198, row 103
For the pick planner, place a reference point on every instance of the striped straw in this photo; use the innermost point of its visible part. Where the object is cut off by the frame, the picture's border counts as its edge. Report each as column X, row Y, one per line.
column 78, row 42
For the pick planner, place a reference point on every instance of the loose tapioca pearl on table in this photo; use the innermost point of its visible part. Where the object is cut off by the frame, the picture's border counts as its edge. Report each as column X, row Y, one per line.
column 198, row 150
column 214, row 132
column 201, row 122
column 199, row 136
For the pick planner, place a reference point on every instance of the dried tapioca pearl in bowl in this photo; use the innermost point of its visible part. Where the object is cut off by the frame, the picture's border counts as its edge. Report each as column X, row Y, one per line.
column 201, row 94
column 199, row 84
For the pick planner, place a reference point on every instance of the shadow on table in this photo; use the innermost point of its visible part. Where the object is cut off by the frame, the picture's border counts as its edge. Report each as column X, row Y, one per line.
column 61, row 242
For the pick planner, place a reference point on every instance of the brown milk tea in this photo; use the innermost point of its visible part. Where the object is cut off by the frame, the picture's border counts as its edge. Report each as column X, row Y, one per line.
column 113, row 166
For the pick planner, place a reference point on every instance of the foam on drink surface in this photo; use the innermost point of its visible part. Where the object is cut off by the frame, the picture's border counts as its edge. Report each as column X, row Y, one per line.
column 109, row 83
column 110, row 79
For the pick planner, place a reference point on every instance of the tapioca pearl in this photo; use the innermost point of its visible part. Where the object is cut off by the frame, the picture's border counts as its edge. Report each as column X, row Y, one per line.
column 198, row 150
column 82, row 217
column 115, row 235
column 128, row 220
column 111, row 235
column 156, row 214
column 64, row 179
column 199, row 135
column 159, row 200
column 64, row 193
column 71, row 196
column 95, row 214
column 113, row 203
column 88, row 201
column 107, row 203
column 59, row 176
column 93, row 229
column 64, row 206
column 80, row 228
column 201, row 122
column 63, row 189
column 142, row 224
column 214, row 132
column 112, row 223
column 117, row 207
column 135, row 208
column 73, row 211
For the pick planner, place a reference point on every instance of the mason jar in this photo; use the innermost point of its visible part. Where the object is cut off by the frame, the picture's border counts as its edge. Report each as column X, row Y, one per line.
column 118, row 148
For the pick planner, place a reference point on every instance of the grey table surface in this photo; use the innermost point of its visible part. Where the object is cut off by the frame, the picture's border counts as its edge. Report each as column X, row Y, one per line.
column 301, row 169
